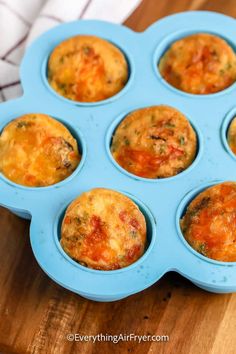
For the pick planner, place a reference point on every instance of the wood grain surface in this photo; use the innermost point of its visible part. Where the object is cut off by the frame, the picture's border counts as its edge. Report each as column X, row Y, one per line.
column 36, row 314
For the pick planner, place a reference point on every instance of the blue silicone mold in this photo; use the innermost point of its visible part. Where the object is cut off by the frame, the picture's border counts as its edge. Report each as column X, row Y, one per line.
column 162, row 201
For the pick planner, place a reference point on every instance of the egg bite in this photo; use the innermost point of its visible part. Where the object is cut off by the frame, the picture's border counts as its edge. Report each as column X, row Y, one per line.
column 209, row 223
column 103, row 229
column 154, row 142
column 201, row 63
column 231, row 136
column 36, row 151
column 87, row 69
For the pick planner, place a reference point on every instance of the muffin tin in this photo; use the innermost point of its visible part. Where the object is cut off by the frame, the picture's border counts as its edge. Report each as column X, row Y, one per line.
column 162, row 201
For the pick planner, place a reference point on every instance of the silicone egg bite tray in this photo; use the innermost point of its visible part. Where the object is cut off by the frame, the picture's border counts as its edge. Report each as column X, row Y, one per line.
column 162, row 201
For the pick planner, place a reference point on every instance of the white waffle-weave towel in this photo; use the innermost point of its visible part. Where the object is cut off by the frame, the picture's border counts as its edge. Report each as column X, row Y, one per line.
column 21, row 21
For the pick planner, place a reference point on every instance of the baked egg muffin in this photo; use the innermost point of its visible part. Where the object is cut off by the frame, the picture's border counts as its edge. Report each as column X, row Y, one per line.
column 201, row 63
column 87, row 69
column 209, row 224
column 36, row 151
column 232, row 136
column 103, row 229
column 154, row 142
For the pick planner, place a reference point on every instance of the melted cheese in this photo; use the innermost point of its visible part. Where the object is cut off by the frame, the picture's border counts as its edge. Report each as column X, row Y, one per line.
column 232, row 136
column 199, row 64
column 210, row 222
column 103, row 229
column 36, row 150
column 154, row 142
column 87, row 69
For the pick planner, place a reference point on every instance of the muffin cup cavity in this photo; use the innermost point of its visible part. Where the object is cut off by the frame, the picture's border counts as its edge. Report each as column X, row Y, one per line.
column 188, row 198
column 108, row 141
column 151, row 238
column 224, row 131
column 165, row 44
column 77, row 135
column 131, row 73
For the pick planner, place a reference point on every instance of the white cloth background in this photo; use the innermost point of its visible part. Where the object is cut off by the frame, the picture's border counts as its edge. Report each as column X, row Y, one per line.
column 21, row 21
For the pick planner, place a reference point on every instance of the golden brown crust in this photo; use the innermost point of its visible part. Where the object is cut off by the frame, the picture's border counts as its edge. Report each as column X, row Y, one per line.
column 154, row 142
column 87, row 69
column 209, row 223
column 103, row 229
column 232, row 136
column 37, row 150
column 200, row 64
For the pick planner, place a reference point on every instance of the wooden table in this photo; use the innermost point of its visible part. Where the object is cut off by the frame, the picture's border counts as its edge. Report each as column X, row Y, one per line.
column 36, row 314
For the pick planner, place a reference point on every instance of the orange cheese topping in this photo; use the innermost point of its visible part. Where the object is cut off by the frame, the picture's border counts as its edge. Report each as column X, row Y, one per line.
column 36, row 150
column 232, row 136
column 154, row 142
column 209, row 224
column 103, row 229
column 87, row 69
column 200, row 64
